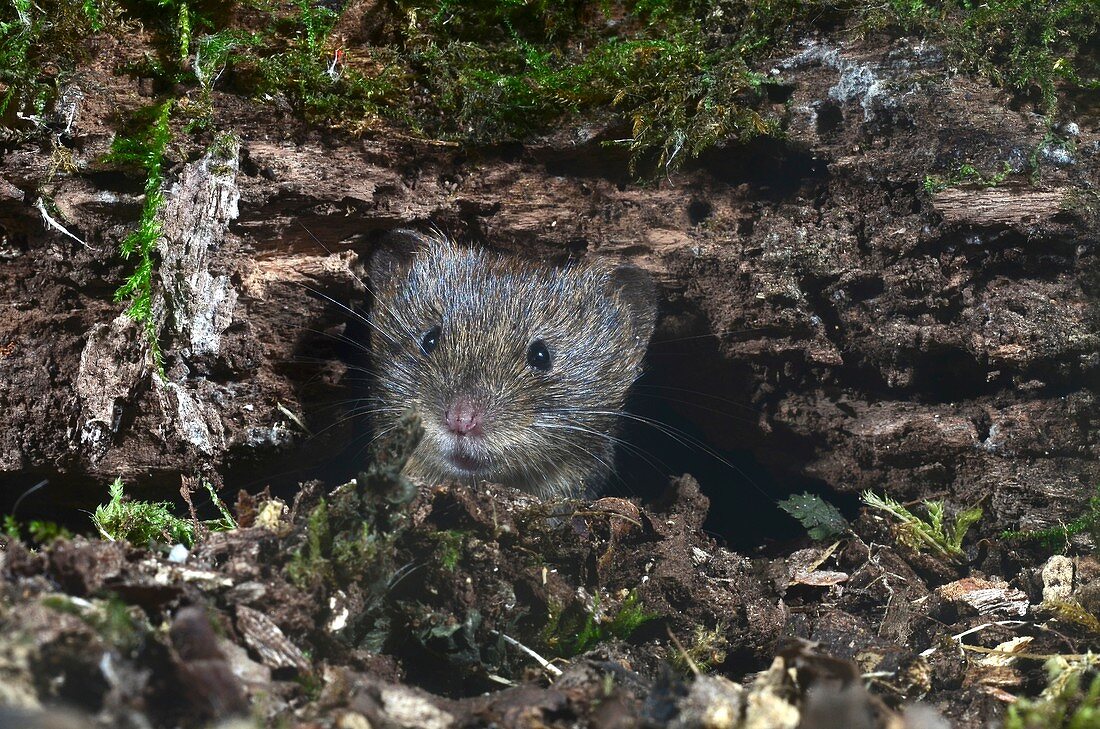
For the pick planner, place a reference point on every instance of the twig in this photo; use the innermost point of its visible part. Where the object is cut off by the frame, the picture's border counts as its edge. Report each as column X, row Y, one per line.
column 1000, row 623
column 1033, row 656
column 546, row 665
column 41, row 207
column 609, row 514
column 687, row 658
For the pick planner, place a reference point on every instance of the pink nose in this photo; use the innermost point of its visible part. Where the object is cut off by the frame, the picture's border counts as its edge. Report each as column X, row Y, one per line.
column 463, row 417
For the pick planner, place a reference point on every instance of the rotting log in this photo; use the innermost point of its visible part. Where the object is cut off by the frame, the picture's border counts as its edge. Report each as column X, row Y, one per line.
column 843, row 319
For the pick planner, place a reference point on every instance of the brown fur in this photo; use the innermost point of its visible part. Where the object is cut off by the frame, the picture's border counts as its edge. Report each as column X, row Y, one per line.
column 550, row 433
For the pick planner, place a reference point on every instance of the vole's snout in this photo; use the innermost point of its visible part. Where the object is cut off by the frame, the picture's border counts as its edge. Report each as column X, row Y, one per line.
column 464, row 417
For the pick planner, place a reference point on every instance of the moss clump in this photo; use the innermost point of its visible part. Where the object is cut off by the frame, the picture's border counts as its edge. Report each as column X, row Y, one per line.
column 1025, row 45
column 293, row 56
column 330, row 554
column 678, row 75
column 966, row 174
column 1068, row 702
column 40, row 46
column 498, row 71
column 707, row 650
column 38, row 530
column 140, row 522
column 572, row 631
column 450, row 548
column 350, row 539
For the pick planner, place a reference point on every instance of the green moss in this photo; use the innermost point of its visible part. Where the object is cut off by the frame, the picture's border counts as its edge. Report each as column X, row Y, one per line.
column 707, row 649
column 966, row 174
column 1025, row 45
column 1073, row 612
column 37, row 530
column 11, row 529
column 140, row 522
column 1066, row 703
column 350, row 537
column 676, row 75
column 310, row 562
column 450, row 548
column 932, row 532
column 225, row 522
column 1057, row 538
column 342, row 544
column 145, row 148
column 571, row 631
column 40, row 47
column 497, row 72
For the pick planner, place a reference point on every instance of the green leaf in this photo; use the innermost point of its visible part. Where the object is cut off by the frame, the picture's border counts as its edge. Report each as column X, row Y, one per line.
column 821, row 519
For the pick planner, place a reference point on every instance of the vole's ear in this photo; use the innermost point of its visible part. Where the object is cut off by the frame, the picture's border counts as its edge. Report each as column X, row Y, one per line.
column 636, row 289
column 395, row 252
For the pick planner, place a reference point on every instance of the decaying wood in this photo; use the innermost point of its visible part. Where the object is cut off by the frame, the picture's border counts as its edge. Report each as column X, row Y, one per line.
column 999, row 206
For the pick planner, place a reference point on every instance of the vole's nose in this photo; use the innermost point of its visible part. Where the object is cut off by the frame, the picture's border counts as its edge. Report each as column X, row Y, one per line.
column 463, row 417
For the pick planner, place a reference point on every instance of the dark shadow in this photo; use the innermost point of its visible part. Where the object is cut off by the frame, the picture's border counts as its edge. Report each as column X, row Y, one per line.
column 772, row 168
column 699, row 422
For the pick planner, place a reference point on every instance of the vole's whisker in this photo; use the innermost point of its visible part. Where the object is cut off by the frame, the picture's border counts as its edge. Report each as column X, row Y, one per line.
column 381, row 433
column 573, row 444
column 641, row 385
column 342, row 338
column 680, row 437
column 650, row 460
column 350, row 415
column 712, row 335
column 377, row 300
column 351, row 311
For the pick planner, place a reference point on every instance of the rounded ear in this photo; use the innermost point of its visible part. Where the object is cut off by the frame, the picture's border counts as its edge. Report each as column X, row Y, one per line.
column 637, row 290
column 395, row 253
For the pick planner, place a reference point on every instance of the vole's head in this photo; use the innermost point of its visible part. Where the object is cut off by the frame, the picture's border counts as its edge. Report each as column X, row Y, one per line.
column 518, row 370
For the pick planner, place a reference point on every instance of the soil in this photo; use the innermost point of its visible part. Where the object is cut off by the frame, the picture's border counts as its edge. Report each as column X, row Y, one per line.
column 830, row 323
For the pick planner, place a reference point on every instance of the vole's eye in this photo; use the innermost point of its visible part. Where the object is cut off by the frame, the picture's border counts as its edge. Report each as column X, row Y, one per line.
column 538, row 355
column 430, row 340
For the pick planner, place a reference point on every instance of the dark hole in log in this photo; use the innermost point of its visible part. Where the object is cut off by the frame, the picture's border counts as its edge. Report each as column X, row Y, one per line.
column 705, row 426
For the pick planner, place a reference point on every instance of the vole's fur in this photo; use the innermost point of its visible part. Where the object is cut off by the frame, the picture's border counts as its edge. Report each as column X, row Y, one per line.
column 549, row 432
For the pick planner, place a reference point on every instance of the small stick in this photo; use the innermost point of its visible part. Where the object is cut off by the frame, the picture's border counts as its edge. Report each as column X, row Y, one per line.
column 680, row 647
column 41, row 206
column 546, row 665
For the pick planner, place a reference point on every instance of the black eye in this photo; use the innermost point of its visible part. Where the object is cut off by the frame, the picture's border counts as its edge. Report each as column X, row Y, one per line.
column 538, row 356
column 430, row 340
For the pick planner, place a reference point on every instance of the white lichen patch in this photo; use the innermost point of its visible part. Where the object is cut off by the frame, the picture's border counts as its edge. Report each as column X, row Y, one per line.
column 199, row 305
